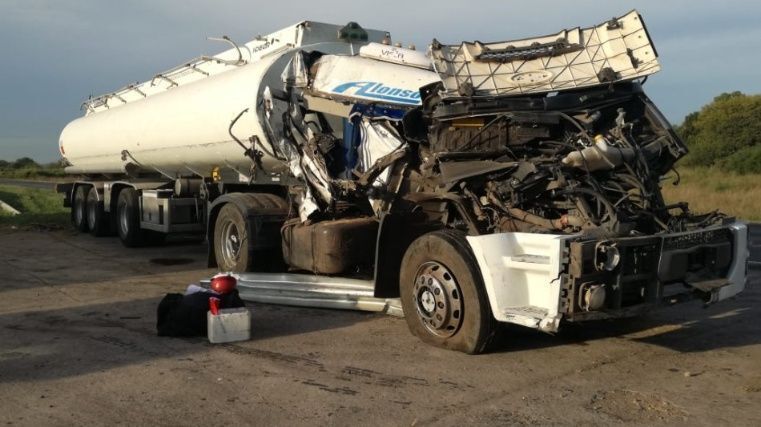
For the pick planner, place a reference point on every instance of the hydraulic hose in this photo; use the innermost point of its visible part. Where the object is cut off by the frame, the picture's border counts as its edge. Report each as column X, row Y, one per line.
column 552, row 224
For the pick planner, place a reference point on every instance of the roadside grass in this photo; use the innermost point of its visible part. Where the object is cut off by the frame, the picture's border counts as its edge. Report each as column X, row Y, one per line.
column 709, row 189
column 33, row 172
column 39, row 208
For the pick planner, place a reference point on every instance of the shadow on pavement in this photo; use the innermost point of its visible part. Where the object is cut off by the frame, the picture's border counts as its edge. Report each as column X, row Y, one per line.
column 687, row 327
column 64, row 258
column 53, row 344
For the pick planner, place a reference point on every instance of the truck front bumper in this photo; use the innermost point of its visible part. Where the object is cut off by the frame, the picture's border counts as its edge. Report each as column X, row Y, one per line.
column 537, row 280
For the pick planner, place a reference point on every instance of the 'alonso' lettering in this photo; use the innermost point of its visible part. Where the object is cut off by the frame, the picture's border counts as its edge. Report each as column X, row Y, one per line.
column 375, row 90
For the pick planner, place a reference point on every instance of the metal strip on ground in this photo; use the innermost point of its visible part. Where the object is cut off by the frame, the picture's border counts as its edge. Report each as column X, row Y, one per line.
column 307, row 290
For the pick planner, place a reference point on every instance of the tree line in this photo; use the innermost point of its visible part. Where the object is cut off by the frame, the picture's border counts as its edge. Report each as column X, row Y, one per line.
column 725, row 134
column 26, row 167
column 24, row 163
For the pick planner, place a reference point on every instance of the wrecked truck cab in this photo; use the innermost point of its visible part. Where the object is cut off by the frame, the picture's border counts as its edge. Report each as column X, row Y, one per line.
column 583, row 239
column 554, row 158
column 527, row 175
column 477, row 183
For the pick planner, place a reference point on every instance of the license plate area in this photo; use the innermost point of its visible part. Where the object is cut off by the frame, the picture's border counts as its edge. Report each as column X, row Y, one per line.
column 632, row 281
column 649, row 269
column 696, row 257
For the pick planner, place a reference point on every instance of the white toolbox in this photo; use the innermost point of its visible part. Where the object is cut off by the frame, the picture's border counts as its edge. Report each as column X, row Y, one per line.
column 230, row 325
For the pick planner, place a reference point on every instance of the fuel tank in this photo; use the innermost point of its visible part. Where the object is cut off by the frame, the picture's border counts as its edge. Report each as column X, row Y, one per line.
column 182, row 130
column 178, row 123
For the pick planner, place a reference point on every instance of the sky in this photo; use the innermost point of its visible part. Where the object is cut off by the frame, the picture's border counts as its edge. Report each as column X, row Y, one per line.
column 54, row 53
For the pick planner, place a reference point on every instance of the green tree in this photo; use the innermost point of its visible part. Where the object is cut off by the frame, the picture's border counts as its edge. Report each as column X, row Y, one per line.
column 25, row 162
column 687, row 129
column 725, row 133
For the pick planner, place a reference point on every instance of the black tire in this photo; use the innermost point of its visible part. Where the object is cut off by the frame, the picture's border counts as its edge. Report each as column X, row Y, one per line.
column 231, row 248
column 79, row 208
column 442, row 293
column 97, row 219
column 128, row 219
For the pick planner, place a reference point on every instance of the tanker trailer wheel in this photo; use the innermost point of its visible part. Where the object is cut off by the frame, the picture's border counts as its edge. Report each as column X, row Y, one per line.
column 79, row 208
column 97, row 219
column 231, row 240
column 128, row 219
column 442, row 293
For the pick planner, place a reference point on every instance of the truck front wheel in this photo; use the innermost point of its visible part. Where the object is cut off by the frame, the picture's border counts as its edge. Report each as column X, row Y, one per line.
column 442, row 293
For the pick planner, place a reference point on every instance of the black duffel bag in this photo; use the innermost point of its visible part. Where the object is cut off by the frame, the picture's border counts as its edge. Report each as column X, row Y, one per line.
column 181, row 315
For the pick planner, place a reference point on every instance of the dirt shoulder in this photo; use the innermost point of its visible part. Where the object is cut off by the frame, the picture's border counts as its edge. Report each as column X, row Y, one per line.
column 78, row 346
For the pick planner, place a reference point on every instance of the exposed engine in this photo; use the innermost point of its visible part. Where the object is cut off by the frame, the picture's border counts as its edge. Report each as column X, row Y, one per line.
column 545, row 135
column 589, row 160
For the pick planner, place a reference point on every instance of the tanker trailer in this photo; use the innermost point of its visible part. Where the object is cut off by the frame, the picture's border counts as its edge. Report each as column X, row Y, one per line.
column 515, row 182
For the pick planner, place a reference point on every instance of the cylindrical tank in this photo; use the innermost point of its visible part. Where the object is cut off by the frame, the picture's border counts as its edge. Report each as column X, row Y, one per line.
column 184, row 130
column 181, row 130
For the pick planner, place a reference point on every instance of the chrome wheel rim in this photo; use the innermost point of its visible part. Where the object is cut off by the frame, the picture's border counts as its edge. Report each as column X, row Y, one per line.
column 230, row 242
column 438, row 299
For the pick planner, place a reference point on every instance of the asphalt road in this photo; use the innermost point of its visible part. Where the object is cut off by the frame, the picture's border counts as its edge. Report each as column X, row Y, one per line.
column 78, row 346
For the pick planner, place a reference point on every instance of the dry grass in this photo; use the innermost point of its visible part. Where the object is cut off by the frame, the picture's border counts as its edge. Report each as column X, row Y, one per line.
column 711, row 189
column 38, row 208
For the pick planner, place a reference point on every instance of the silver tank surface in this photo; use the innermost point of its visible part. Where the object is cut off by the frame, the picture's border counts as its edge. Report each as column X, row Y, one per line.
column 177, row 123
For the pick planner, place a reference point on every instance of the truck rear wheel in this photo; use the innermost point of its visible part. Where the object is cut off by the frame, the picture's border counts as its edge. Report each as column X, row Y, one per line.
column 442, row 293
column 231, row 240
column 97, row 218
column 79, row 208
column 128, row 219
